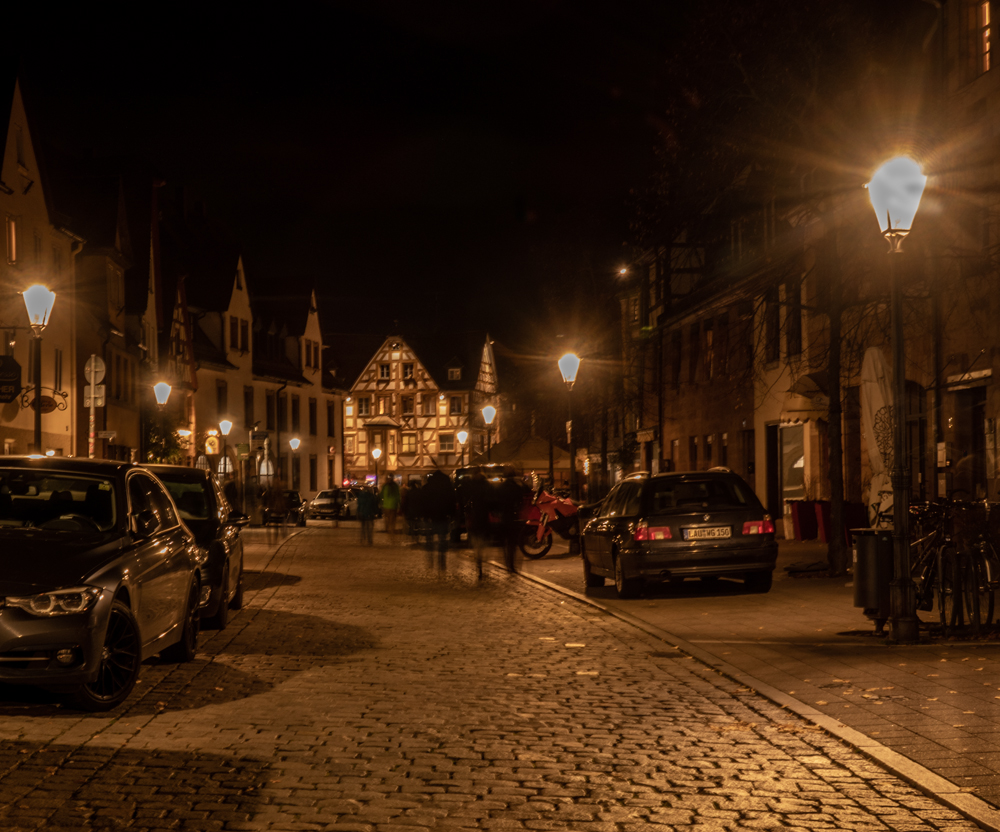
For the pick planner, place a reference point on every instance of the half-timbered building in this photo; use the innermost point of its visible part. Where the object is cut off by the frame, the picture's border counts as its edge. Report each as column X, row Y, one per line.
column 412, row 401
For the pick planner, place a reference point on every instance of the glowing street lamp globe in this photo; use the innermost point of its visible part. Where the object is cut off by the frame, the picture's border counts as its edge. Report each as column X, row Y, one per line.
column 162, row 392
column 489, row 414
column 895, row 192
column 569, row 364
column 38, row 301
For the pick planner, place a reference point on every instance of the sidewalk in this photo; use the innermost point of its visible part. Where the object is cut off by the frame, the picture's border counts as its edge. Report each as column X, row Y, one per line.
column 805, row 646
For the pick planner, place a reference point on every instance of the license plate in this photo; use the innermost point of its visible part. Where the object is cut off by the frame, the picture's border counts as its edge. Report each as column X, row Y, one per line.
column 711, row 533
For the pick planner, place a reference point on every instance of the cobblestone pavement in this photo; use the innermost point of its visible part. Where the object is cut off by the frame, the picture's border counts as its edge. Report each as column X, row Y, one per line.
column 358, row 690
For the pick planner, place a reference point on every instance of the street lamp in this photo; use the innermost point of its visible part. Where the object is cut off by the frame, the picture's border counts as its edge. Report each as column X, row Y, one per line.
column 294, row 443
column 162, row 393
column 224, row 427
column 569, row 364
column 463, row 436
column 895, row 192
column 38, row 301
column 376, row 453
column 489, row 414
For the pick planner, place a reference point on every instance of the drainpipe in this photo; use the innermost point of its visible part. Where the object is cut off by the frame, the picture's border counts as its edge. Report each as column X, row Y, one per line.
column 277, row 427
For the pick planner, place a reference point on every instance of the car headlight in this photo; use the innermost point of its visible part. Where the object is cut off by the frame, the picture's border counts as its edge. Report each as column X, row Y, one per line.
column 58, row 602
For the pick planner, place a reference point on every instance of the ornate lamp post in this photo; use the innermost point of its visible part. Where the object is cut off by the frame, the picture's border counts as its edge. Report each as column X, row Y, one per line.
column 376, row 453
column 489, row 414
column 38, row 301
column 895, row 192
column 463, row 437
column 224, row 427
column 569, row 365
column 294, row 443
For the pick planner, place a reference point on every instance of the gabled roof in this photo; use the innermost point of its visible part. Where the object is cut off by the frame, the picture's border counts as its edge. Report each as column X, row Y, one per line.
column 207, row 353
column 347, row 355
column 281, row 311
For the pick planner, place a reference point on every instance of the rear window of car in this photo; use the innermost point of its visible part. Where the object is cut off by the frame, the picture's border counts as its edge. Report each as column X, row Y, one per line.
column 681, row 495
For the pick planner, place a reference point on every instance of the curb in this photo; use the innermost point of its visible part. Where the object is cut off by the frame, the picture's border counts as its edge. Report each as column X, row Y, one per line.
column 933, row 785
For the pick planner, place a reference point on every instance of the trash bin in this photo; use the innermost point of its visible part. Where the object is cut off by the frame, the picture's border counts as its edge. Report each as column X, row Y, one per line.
column 872, row 573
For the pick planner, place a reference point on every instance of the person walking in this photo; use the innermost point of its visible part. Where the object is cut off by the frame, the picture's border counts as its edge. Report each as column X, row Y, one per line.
column 512, row 493
column 390, row 499
column 438, row 501
column 474, row 493
column 367, row 509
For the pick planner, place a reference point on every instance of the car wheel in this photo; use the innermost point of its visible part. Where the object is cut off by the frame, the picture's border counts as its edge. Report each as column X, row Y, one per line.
column 626, row 587
column 237, row 602
column 589, row 578
column 185, row 649
column 221, row 617
column 119, row 665
column 759, row 581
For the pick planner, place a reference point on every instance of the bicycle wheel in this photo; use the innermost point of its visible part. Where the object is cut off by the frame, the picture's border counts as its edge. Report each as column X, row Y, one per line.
column 981, row 591
column 949, row 590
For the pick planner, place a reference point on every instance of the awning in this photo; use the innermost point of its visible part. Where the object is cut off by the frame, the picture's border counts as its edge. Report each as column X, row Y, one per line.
column 806, row 399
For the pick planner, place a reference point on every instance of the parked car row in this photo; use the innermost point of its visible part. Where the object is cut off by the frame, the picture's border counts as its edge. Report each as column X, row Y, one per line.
column 104, row 564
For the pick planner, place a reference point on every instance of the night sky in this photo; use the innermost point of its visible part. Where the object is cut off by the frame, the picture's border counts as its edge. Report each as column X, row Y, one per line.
column 421, row 166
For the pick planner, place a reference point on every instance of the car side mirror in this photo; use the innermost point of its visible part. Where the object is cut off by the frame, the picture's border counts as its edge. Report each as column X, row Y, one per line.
column 145, row 523
column 236, row 518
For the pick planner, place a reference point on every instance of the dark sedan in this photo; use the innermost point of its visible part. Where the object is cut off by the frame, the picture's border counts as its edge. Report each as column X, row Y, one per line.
column 668, row 527
column 216, row 526
column 97, row 574
column 286, row 507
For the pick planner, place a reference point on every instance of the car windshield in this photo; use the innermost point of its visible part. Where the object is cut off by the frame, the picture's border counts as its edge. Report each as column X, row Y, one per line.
column 56, row 501
column 324, row 495
column 677, row 495
column 293, row 498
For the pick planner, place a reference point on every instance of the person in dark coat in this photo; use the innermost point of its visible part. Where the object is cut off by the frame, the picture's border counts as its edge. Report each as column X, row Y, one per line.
column 367, row 509
column 511, row 495
column 438, row 504
column 475, row 497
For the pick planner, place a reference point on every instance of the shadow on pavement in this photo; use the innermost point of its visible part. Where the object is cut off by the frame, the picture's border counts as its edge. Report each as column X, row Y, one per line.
column 228, row 667
column 115, row 789
column 255, row 581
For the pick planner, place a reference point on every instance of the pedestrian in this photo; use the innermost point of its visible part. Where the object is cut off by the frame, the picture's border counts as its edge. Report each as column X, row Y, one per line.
column 474, row 492
column 390, row 499
column 413, row 510
column 438, row 500
column 511, row 496
column 367, row 508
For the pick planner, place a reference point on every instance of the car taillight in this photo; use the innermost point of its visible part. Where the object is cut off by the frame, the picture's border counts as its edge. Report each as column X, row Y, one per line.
column 644, row 531
column 765, row 526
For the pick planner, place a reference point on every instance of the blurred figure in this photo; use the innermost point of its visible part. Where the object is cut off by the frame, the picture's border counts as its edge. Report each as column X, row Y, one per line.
column 438, row 503
column 367, row 509
column 475, row 497
column 413, row 509
column 389, row 499
column 511, row 496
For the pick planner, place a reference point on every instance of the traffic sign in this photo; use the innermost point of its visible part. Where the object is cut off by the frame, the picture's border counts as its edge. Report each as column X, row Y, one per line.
column 10, row 379
column 94, row 369
column 92, row 395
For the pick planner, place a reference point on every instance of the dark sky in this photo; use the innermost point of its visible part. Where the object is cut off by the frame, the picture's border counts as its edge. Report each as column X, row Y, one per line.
column 387, row 156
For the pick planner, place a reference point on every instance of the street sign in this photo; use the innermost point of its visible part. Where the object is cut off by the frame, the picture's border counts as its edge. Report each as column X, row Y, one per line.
column 10, row 379
column 90, row 395
column 258, row 435
column 94, row 369
column 106, row 434
column 45, row 403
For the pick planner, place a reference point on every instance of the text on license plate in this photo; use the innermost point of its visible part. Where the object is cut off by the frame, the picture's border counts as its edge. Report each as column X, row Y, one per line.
column 711, row 533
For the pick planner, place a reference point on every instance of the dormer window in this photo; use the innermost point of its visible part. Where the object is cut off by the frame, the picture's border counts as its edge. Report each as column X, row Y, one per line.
column 384, row 371
column 455, row 374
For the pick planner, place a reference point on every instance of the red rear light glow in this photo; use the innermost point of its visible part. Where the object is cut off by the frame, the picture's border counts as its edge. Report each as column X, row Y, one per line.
column 765, row 526
column 646, row 532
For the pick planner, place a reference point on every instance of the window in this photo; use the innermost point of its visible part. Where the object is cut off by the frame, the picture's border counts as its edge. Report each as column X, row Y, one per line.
column 455, row 405
column 269, row 409
column 455, row 374
column 295, row 413
column 392, row 443
column 221, row 398
column 407, row 403
column 244, row 336
column 407, row 371
column 793, row 317
column 11, row 240
column 316, row 354
column 409, row 443
column 384, row 371
column 446, row 441
column 384, row 406
column 282, row 412
column 428, row 405
column 983, row 37
column 634, row 310
column 248, row 407
column 772, row 334
column 331, row 419
column 349, row 445
column 709, row 442
column 296, row 473
column 312, row 417
column 307, row 352
column 234, row 332
column 364, row 406
column 693, row 453
column 724, row 451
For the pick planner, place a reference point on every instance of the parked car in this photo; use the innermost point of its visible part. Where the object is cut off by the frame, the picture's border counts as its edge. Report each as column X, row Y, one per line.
column 97, row 574
column 669, row 527
column 216, row 526
column 333, row 503
column 295, row 510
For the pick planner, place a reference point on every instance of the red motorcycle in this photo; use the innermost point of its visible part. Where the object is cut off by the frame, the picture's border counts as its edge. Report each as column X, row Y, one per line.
column 544, row 516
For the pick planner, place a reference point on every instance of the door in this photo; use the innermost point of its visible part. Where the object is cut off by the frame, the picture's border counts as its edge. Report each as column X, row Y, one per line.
column 598, row 532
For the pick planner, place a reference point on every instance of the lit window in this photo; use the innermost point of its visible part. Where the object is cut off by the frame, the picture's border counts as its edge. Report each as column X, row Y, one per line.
column 455, row 405
column 409, row 443
column 984, row 35
column 11, row 240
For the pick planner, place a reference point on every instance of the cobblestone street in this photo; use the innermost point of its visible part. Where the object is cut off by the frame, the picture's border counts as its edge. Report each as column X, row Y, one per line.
column 358, row 690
